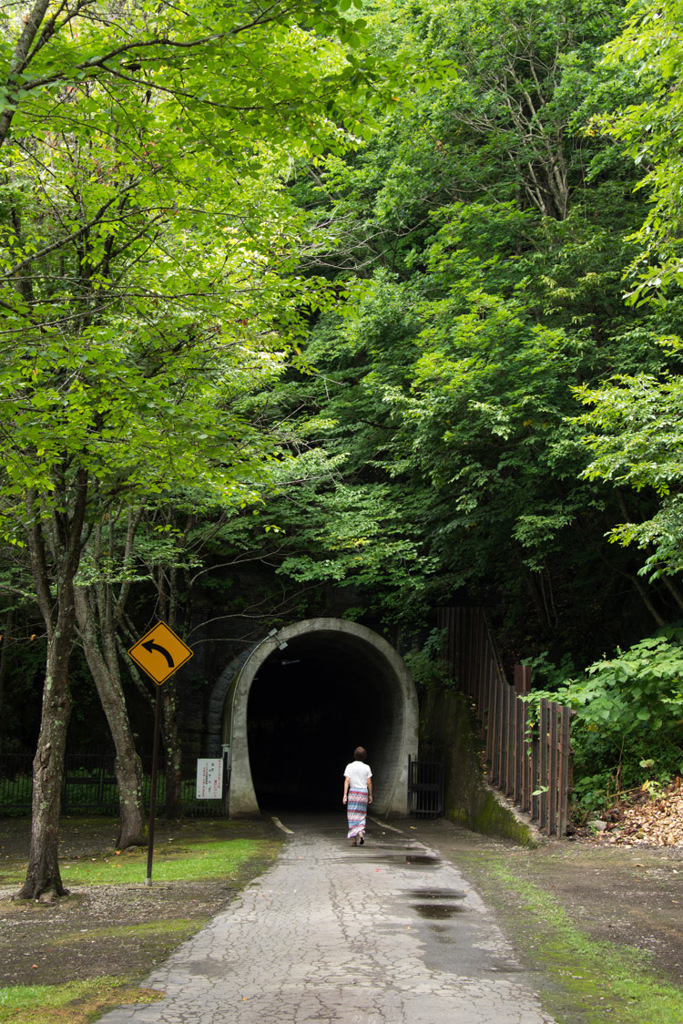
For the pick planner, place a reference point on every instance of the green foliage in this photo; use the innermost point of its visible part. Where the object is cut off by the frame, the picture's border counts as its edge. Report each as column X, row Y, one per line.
column 146, row 287
column 427, row 665
column 290, row 318
column 492, row 234
column 636, row 439
column 237, row 71
column 550, row 676
column 648, row 125
column 148, row 261
column 629, row 712
column 354, row 536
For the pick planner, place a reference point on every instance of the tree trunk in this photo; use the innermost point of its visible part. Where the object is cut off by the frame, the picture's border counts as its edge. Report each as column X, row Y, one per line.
column 43, row 874
column 32, row 22
column 104, row 668
column 65, row 537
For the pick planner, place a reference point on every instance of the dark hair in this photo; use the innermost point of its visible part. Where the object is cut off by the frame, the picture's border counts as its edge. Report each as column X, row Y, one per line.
column 360, row 753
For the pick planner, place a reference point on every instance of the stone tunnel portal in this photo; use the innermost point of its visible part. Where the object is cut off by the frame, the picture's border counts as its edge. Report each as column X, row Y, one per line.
column 296, row 713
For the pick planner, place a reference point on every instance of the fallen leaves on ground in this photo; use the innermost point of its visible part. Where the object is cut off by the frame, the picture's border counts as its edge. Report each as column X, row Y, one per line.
column 652, row 818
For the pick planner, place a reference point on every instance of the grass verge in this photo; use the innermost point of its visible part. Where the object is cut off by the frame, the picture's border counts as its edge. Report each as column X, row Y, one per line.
column 199, row 859
column 580, row 980
column 194, row 861
column 176, row 931
column 76, row 1002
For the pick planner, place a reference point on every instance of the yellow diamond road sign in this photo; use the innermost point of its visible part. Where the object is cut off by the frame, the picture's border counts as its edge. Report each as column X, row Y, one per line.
column 160, row 653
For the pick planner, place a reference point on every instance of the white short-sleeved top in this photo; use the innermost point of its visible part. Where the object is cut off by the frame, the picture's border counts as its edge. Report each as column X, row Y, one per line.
column 358, row 773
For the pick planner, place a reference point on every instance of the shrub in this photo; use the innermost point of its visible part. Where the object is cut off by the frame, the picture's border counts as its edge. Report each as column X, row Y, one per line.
column 629, row 712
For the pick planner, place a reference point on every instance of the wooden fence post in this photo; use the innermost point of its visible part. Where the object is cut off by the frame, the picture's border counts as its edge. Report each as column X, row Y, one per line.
column 535, row 776
column 565, row 733
column 511, row 741
column 522, row 678
column 552, row 770
column 543, row 761
column 500, row 732
column 520, row 751
column 524, row 801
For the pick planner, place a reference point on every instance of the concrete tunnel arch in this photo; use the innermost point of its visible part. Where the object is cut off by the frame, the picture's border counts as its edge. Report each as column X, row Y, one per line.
column 294, row 714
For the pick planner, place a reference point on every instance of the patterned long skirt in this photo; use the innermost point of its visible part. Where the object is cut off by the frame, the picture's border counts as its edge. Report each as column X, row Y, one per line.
column 356, row 811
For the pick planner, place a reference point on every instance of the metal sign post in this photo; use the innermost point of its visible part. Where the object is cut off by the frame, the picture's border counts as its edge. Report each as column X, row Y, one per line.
column 159, row 654
column 153, row 789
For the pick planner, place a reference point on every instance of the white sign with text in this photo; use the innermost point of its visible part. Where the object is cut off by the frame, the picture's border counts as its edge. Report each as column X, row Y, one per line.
column 209, row 778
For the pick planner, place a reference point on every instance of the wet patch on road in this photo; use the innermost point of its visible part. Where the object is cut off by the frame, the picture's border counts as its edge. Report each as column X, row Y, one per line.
column 437, row 911
column 436, row 904
column 436, row 894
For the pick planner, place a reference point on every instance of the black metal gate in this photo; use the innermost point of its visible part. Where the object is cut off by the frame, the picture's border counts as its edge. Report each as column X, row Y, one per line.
column 425, row 788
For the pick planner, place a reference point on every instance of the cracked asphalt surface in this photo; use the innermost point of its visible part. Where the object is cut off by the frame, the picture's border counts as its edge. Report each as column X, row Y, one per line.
column 386, row 933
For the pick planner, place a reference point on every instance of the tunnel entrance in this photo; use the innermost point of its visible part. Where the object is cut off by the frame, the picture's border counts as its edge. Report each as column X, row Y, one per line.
column 309, row 707
column 304, row 699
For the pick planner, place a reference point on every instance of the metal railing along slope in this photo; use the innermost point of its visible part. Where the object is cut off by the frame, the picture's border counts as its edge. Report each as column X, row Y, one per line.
column 530, row 762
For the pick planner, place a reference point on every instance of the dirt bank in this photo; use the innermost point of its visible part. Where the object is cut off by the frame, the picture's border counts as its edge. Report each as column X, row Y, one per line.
column 626, row 895
column 88, row 934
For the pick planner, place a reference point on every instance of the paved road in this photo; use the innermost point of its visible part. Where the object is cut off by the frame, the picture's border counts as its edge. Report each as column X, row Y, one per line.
column 386, row 933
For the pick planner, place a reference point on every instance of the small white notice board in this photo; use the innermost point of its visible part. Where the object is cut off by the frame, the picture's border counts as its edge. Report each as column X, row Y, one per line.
column 209, row 778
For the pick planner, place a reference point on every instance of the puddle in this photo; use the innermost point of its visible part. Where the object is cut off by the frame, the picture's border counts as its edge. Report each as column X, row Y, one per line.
column 411, row 859
column 437, row 911
column 374, row 858
column 436, row 904
column 435, row 894
column 390, row 847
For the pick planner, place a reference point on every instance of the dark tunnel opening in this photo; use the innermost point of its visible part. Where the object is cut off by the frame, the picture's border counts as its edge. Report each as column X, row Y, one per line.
column 309, row 706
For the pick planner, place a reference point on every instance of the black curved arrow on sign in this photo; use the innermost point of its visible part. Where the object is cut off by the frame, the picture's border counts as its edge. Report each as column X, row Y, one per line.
column 150, row 646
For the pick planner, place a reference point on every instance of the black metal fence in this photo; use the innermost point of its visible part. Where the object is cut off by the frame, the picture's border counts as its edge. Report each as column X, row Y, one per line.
column 89, row 787
column 425, row 788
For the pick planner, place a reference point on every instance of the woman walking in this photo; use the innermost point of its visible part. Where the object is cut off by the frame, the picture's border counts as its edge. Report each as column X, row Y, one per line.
column 357, row 795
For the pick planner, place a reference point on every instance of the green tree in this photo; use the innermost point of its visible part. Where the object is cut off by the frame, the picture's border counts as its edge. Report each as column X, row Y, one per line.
column 250, row 71
column 146, row 278
column 649, row 52
column 495, row 232
column 635, row 437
